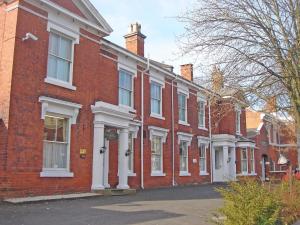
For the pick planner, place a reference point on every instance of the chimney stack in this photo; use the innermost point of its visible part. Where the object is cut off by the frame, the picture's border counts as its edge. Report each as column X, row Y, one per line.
column 187, row 71
column 217, row 79
column 271, row 105
column 135, row 39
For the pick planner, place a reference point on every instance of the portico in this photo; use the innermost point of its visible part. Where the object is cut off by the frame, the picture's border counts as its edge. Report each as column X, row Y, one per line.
column 108, row 115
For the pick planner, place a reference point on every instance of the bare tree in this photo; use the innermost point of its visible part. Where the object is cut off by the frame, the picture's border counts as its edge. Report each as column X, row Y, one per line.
column 255, row 42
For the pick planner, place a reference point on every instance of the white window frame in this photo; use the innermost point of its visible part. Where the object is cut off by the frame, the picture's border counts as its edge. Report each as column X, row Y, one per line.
column 184, row 137
column 162, row 85
column 252, row 160
column 203, row 141
column 158, row 172
column 242, row 160
column 56, row 107
column 203, row 126
column 68, row 137
column 274, row 127
column 238, row 113
column 162, row 133
column 129, row 72
column 59, row 30
column 183, row 122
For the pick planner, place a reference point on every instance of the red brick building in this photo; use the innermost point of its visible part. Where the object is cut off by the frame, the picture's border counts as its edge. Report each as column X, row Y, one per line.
column 274, row 135
column 79, row 113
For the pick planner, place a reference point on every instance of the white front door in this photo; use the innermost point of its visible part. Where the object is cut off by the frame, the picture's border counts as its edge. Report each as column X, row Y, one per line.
column 218, row 168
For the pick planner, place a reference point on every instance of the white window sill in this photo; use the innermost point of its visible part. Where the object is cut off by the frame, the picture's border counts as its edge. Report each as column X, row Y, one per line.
column 184, row 123
column 56, row 173
column 184, row 174
column 59, row 83
column 202, row 128
column 131, row 174
column 158, row 174
column 202, row 173
column 157, row 116
column 246, row 174
column 278, row 171
column 129, row 108
column 238, row 133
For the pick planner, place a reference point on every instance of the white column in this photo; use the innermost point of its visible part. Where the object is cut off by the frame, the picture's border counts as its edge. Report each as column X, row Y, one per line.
column 225, row 163
column 106, row 165
column 97, row 177
column 123, row 164
column 234, row 160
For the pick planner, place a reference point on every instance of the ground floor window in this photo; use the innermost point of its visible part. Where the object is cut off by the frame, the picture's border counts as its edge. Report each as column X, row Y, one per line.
column 156, row 154
column 202, row 158
column 131, row 153
column 244, row 161
column 183, row 149
column 56, row 143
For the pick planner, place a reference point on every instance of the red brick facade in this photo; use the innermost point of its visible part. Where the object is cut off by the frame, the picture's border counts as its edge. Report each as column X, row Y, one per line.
column 23, row 69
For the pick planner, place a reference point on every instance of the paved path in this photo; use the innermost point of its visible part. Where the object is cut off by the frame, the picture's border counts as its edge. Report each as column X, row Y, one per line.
column 174, row 206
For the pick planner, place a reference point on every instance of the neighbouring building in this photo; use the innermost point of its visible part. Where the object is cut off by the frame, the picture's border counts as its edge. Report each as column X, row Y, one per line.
column 79, row 113
column 274, row 135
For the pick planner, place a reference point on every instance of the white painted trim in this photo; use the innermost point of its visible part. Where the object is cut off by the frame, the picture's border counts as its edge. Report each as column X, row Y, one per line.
column 157, row 79
column 60, row 107
column 185, row 137
column 131, row 174
column 133, row 75
column 181, row 88
column 157, row 116
column 204, row 125
column 203, row 173
column 183, row 123
column 158, row 131
column 59, row 83
column 56, row 173
column 70, row 33
column 157, row 174
column 245, row 144
column 76, row 17
column 184, row 174
column 203, row 140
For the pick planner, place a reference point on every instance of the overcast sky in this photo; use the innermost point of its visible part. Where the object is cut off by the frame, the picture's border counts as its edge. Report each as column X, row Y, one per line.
column 158, row 24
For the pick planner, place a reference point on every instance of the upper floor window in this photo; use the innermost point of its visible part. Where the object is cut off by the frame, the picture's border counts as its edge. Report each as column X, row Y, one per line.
column 238, row 121
column 156, row 98
column 60, row 57
column 201, row 114
column 125, row 88
column 182, row 107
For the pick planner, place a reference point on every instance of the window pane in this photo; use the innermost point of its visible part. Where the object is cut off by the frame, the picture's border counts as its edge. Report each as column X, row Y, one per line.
column 52, row 67
column 155, row 106
column 53, row 44
column 155, row 91
column 62, row 130
column 125, row 80
column 55, row 155
column 202, row 164
column 63, row 70
column 125, row 97
column 183, row 156
column 49, row 128
column 65, row 49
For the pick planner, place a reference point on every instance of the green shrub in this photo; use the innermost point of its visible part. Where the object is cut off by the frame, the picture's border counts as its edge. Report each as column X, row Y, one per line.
column 249, row 203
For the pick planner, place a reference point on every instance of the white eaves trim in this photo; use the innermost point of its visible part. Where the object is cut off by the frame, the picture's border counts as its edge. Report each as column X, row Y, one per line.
column 48, row 3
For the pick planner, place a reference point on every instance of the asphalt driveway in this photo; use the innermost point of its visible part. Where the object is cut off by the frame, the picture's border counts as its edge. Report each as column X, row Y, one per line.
column 181, row 205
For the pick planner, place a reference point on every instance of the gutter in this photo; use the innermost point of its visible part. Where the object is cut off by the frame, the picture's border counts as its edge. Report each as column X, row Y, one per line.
column 210, row 141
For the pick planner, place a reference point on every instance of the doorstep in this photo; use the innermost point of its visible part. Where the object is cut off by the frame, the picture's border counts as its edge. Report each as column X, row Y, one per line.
column 50, row 197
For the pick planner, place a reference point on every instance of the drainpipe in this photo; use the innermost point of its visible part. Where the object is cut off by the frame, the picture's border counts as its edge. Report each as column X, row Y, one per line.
column 142, row 121
column 173, row 135
column 210, row 141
